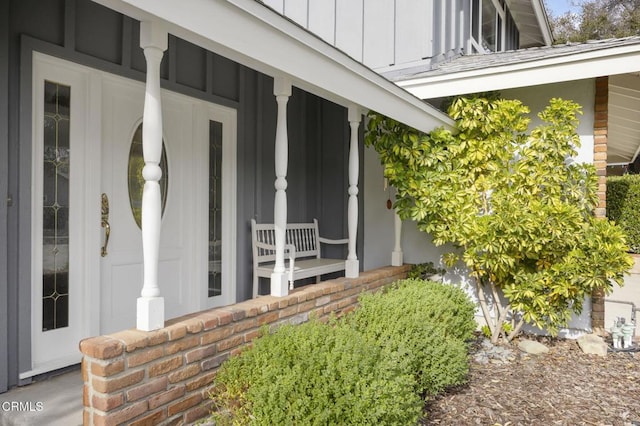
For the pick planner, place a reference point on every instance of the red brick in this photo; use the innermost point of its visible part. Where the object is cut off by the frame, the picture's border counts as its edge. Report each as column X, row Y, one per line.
column 201, row 381
column 163, row 398
column 176, row 331
column 112, row 384
column 183, row 405
column 182, row 344
column 143, row 357
column 86, row 390
column 101, row 347
column 215, row 335
column 132, row 339
column 184, row 373
column 115, row 418
column 288, row 311
column 157, row 337
column 229, row 343
column 194, row 325
column 268, row 318
column 214, row 362
column 224, row 317
column 165, row 365
column 85, row 367
column 306, row 306
column 248, row 337
column 107, row 402
column 237, row 314
column 209, row 320
column 107, row 368
column 244, row 325
column 200, row 353
column 150, row 419
column 148, row 388
column 197, row 413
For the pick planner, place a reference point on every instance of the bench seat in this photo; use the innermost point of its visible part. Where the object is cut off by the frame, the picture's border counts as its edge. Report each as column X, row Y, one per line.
column 302, row 248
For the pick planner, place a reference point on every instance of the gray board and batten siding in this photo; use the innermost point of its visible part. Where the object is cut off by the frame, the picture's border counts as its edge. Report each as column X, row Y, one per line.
column 89, row 34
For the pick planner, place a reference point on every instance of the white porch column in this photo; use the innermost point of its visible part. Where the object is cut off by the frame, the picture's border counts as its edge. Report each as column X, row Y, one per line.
column 282, row 92
column 150, row 305
column 396, row 255
column 352, row 264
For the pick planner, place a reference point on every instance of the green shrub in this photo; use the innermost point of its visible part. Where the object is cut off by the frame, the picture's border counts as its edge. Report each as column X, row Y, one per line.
column 424, row 326
column 623, row 199
column 314, row 373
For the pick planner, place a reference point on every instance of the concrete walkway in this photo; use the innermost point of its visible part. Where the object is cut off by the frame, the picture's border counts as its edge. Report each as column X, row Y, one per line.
column 54, row 401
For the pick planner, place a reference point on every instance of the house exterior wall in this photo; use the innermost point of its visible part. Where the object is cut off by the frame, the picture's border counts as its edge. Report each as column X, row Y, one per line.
column 382, row 33
column 164, row 376
column 89, row 34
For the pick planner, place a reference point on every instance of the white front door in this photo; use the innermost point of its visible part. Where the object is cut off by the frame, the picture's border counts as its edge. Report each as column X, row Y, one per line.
column 121, row 190
column 87, row 249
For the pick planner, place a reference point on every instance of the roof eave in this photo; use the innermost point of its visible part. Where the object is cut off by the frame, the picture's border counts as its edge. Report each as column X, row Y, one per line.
column 253, row 35
column 619, row 60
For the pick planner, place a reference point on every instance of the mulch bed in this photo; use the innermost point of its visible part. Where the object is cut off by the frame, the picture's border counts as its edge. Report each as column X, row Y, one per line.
column 562, row 387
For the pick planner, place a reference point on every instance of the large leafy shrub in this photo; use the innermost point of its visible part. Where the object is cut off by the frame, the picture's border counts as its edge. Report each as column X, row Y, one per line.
column 314, row 374
column 517, row 210
column 623, row 199
column 424, row 326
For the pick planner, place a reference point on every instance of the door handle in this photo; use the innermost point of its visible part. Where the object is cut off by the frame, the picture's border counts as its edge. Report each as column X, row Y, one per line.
column 105, row 224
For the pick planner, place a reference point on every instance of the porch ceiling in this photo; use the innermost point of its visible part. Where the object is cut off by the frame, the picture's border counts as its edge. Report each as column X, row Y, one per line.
column 251, row 34
column 624, row 118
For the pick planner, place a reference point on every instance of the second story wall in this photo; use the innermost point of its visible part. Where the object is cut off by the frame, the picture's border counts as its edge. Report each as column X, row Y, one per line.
column 378, row 33
column 389, row 35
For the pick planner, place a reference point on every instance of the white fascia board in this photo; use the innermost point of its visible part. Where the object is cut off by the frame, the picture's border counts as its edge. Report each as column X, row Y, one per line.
column 251, row 34
column 545, row 71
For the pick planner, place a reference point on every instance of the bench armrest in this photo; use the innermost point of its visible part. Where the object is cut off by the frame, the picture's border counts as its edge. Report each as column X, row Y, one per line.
column 332, row 241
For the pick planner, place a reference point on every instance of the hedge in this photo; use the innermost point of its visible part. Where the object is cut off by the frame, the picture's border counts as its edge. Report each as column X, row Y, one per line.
column 623, row 207
column 375, row 366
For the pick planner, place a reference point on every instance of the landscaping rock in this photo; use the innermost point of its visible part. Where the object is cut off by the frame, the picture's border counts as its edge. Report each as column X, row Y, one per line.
column 487, row 353
column 532, row 347
column 593, row 344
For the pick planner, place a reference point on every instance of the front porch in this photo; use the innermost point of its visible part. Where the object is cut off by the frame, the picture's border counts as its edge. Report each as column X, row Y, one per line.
column 164, row 375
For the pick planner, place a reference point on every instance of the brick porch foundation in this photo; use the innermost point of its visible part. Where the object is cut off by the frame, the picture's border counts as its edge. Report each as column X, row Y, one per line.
column 147, row 378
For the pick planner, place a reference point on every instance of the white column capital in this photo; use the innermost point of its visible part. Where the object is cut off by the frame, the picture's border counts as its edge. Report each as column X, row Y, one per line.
column 153, row 34
column 281, row 86
column 355, row 113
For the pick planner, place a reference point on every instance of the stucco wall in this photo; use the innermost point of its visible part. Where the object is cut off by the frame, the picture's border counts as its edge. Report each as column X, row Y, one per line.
column 417, row 246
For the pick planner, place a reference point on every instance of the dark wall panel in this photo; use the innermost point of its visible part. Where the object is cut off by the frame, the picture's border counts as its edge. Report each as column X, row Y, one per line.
column 43, row 20
column 191, row 65
column 225, row 77
column 98, row 31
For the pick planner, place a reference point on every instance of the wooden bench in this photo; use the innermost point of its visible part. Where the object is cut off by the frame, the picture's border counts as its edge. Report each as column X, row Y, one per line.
column 302, row 252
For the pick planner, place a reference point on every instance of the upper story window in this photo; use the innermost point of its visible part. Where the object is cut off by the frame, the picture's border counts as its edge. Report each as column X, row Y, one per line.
column 492, row 27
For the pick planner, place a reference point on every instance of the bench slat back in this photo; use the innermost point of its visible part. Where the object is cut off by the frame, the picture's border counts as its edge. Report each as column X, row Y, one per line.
column 303, row 236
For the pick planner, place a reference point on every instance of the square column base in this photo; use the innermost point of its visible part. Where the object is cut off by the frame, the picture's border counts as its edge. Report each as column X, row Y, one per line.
column 150, row 313
column 396, row 258
column 279, row 284
column 352, row 268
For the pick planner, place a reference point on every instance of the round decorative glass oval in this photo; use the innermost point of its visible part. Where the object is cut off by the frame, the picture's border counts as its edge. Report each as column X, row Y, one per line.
column 136, row 181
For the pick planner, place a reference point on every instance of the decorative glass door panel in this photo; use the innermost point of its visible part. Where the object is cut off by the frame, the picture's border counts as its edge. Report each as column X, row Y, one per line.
column 55, row 200
column 215, row 209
